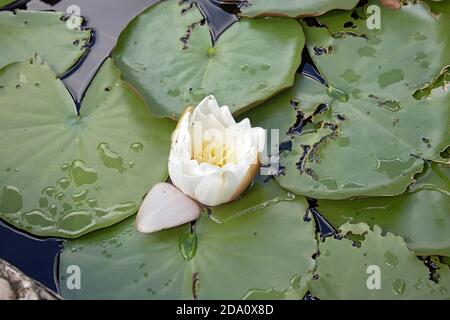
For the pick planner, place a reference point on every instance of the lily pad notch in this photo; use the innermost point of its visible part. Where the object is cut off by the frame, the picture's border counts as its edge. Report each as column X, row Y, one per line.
column 187, row 65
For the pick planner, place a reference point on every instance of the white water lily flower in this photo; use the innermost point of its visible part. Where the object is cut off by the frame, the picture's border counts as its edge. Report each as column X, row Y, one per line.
column 213, row 159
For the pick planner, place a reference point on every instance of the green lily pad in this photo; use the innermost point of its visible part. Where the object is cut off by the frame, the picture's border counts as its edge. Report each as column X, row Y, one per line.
column 333, row 155
column 3, row 3
column 421, row 216
column 446, row 260
column 379, row 63
column 436, row 176
column 168, row 55
column 282, row 112
column 371, row 138
column 65, row 173
column 438, row 6
column 296, row 291
column 294, row 8
column 402, row 274
column 21, row 34
column 258, row 244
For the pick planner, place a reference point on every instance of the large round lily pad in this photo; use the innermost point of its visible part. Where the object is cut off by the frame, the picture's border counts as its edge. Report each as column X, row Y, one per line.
column 421, row 216
column 355, row 148
column 258, row 242
column 168, row 55
column 371, row 138
column 293, row 8
column 24, row 33
column 386, row 257
column 66, row 174
column 380, row 65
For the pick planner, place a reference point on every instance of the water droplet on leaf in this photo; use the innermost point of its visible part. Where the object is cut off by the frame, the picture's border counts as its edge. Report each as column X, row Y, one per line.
column 188, row 245
column 245, row 67
column 43, row 202
column 138, row 67
column 63, row 183
column 173, row 92
column 76, row 221
column 37, row 218
column 10, row 200
column 81, row 174
column 390, row 259
column 211, row 52
column 337, row 94
column 265, row 67
column 92, row 202
column 137, row 147
column 80, row 196
column 398, row 286
column 110, row 158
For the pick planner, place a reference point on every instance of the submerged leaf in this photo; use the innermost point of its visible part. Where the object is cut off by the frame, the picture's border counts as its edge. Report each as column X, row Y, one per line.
column 64, row 173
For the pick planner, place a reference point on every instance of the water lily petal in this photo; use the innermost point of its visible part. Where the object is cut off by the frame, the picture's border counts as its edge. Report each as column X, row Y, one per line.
column 217, row 188
column 165, row 207
column 209, row 106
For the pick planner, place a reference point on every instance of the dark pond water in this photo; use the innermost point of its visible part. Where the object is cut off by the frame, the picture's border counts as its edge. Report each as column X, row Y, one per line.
column 38, row 257
column 108, row 18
